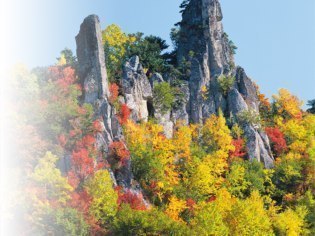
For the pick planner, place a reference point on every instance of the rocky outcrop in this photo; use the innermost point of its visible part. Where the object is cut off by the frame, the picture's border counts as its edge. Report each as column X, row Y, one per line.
column 247, row 88
column 93, row 77
column 137, row 89
column 257, row 141
column 155, row 79
column 138, row 94
column 208, row 51
column 203, row 42
column 90, row 53
column 311, row 103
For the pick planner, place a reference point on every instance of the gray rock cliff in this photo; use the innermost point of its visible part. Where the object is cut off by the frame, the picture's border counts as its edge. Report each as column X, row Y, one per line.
column 93, row 77
column 137, row 89
column 90, row 53
column 203, row 42
column 92, row 74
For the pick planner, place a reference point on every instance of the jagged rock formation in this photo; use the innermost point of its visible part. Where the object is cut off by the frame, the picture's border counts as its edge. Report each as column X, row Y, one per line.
column 138, row 94
column 204, row 43
column 137, row 89
column 156, row 78
column 92, row 74
column 93, row 77
column 202, row 35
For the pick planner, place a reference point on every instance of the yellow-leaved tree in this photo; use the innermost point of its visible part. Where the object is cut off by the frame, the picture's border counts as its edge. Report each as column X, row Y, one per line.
column 210, row 217
column 62, row 60
column 182, row 140
column 215, row 135
column 248, row 217
column 104, row 204
column 115, row 44
column 290, row 222
column 287, row 104
column 175, row 207
column 153, row 157
column 47, row 176
column 205, row 174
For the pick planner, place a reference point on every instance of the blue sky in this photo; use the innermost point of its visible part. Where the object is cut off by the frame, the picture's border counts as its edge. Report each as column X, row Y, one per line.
column 276, row 38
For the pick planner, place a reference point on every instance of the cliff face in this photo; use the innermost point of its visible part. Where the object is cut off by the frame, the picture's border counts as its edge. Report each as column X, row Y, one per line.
column 138, row 95
column 204, row 43
column 93, row 77
column 137, row 89
column 92, row 74
column 202, row 33
column 90, row 53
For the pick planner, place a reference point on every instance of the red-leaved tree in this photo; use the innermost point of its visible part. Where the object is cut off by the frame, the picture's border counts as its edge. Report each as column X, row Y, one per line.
column 119, row 154
column 84, row 160
column 278, row 142
column 114, row 91
column 123, row 114
column 239, row 151
column 135, row 200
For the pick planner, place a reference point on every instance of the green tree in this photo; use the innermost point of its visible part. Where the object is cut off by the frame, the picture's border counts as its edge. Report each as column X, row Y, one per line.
column 210, row 218
column 226, row 83
column 254, row 175
column 249, row 117
column 68, row 221
column 67, row 58
column 235, row 180
column 311, row 103
column 308, row 201
column 104, row 204
column 152, row 222
column 231, row 44
column 287, row 177
column 150, row 51
column 49, row 178
column 163, row 97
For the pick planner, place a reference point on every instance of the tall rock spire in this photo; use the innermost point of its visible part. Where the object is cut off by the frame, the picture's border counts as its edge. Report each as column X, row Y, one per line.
column 90, row 53
column 203, row 42
column 93, row 77
column 202, row 33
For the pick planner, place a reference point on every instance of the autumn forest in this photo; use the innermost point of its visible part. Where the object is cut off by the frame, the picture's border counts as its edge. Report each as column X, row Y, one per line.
column 202, row 179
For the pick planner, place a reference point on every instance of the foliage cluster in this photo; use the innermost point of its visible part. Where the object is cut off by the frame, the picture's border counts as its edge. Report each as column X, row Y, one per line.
column 120, row 46
column 163, row 97
column 226, row 83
